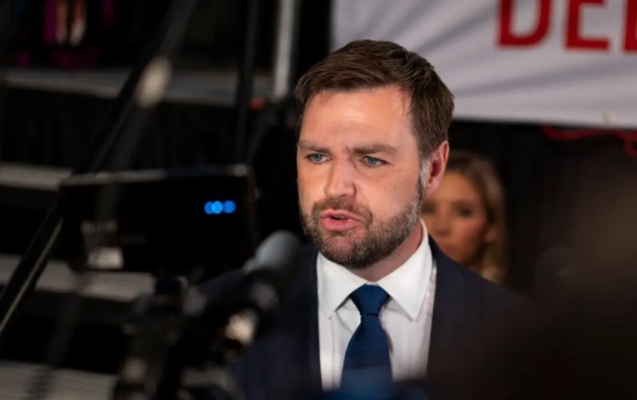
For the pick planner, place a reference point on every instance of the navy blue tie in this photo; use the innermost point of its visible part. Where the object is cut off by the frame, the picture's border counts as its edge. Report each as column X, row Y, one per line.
column 367, row 357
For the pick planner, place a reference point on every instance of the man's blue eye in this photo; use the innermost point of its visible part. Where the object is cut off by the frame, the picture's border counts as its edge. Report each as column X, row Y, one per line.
column 317, row 158
column 373, row 162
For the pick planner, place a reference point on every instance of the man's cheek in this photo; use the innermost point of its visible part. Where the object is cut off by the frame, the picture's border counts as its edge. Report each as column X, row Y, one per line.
column 306, row 201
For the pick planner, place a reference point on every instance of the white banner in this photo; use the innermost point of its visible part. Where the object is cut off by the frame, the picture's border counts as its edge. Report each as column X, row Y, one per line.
column 568, row 62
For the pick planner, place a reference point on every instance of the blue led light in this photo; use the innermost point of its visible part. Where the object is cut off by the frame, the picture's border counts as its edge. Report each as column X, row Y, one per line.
column 217, row 207
column 213, row 207
column 229, row 207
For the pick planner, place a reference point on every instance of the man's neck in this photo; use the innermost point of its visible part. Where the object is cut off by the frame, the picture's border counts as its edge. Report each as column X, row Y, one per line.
column 389, row 264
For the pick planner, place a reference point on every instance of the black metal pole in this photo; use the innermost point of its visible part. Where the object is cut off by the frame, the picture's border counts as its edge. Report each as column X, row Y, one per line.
column 139, row 93
column 246, row 78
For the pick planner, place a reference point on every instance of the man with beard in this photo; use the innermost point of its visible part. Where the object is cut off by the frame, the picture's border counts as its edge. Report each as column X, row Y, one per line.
column 375, row 301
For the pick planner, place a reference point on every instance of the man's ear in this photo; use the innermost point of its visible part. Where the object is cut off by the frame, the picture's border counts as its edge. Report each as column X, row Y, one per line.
column 436, row 167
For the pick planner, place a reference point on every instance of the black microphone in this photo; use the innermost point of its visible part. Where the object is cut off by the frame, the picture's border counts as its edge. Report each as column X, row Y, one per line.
column 275, row 261
column 267, row 278
column 239, row 307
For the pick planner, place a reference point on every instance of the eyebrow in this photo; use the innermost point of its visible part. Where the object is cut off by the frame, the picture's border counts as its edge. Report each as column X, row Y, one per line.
column 373, row 148
column 305, row 145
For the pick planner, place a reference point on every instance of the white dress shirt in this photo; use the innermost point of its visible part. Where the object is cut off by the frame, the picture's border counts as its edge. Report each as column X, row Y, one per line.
column 405, row 317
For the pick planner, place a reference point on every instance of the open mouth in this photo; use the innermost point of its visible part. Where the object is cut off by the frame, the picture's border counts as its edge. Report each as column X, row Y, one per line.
column 338, row 221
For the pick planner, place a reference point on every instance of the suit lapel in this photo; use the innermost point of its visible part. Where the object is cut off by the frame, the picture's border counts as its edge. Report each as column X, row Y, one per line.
column 456, row 306
column 290, row 354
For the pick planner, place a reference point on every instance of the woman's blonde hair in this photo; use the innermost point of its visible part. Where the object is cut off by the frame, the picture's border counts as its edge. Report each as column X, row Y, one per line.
column 482, row 174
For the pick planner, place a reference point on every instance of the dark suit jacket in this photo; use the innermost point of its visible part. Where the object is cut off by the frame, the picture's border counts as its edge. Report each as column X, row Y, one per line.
column 483, row 341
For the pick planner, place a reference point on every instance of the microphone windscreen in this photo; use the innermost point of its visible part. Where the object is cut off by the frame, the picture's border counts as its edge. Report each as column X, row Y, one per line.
column 278, row 249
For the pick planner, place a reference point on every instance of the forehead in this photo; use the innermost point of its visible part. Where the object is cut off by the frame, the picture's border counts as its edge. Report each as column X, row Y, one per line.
column 362, row 114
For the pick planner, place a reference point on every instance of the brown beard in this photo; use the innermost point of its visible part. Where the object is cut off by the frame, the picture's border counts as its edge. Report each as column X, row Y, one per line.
column 380, row 240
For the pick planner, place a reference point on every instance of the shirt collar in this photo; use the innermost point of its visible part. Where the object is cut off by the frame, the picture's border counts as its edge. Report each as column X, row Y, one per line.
column 406, row 285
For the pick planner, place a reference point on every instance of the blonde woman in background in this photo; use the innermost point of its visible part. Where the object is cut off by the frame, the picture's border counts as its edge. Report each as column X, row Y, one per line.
column 466, row 215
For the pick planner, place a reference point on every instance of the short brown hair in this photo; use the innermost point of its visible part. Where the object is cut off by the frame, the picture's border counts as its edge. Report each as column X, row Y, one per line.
column 371, row 64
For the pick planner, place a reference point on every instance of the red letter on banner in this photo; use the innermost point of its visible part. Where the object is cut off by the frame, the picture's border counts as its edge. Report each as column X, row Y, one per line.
column 630, row 41
column 508, row 38
column 573, row 38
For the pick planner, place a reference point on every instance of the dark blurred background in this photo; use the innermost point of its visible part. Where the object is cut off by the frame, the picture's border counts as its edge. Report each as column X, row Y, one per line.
column 577, row 194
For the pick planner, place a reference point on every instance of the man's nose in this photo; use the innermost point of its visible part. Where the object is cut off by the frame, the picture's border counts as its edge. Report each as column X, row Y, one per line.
column 340, row 182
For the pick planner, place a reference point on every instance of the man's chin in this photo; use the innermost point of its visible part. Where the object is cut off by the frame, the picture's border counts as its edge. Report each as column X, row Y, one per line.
column 340, row 258
column 338, row 250
column 342, row 241
column 338, row 244
column 336, row 247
